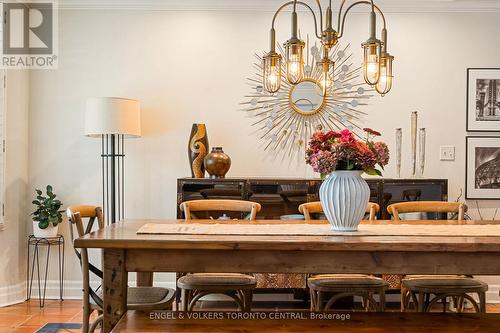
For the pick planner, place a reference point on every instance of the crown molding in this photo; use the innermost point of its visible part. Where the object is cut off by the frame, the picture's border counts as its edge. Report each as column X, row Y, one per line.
column 388, row 6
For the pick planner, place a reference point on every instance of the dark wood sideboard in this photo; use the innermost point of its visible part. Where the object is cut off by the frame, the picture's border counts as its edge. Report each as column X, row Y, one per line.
column 281, row 196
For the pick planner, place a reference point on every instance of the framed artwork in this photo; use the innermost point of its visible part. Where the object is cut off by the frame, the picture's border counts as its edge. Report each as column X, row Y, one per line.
column 483, row 99
column 482, row 180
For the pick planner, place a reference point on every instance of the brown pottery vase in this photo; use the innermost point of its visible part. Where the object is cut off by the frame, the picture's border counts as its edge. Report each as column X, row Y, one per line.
column 217, row 163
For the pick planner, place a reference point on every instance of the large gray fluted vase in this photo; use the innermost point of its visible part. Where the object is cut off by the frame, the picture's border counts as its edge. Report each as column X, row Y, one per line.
column 344, row 196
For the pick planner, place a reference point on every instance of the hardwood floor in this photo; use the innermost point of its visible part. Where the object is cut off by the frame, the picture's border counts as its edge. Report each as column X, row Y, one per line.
column 28, row 317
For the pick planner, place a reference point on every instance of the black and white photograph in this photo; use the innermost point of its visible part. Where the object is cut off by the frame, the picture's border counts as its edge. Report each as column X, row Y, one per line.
column 483, row 168
column 483, row 99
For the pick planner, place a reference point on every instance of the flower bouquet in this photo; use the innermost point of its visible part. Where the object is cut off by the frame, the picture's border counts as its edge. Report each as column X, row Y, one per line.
column 344, row 194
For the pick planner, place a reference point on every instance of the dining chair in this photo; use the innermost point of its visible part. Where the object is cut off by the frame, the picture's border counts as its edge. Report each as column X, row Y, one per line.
column 427, row 290
column 456, row 208
column 238, row 286
column 138, row 298
column 224, row 206
column 344, row 285
column 315, row 207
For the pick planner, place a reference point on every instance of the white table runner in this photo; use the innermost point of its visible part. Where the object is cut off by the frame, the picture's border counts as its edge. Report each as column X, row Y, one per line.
column 320, row 230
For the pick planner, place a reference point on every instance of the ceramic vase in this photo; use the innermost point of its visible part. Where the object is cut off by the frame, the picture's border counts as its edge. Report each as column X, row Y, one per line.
column 48, row 232
column 217, row 163
column 197, row 150
column 344, row 196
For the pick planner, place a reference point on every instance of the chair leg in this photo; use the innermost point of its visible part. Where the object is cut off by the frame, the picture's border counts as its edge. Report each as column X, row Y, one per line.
column 184, row 300
column 482, row 302
column 319, row 301
column 421, row 302
column 312, row 295
column 97, row 321
column 247, row 302
column 381, row 295
column 404, row 297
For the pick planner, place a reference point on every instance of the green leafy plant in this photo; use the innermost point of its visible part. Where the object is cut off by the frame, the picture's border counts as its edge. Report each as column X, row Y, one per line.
column 47, row 208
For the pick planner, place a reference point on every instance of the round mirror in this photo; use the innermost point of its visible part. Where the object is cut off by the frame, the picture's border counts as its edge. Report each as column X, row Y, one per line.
column 305, row 97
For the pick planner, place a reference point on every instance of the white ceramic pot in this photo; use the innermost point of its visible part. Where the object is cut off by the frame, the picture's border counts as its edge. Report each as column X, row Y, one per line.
column 344, row 196
column 50, row 231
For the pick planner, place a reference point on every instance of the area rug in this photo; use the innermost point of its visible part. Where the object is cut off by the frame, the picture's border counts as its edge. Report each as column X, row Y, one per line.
column 59, row 327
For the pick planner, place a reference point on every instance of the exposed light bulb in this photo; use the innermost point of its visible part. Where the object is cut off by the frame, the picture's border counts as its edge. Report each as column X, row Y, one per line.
column 272, row 72
column 372, row 65
column 384, row 83
column 294, row 65
column 272, row 77
column 325, row 80
column 295, row 61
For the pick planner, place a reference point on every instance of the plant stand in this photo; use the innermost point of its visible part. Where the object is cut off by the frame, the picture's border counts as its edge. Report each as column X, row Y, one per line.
column 37, row 242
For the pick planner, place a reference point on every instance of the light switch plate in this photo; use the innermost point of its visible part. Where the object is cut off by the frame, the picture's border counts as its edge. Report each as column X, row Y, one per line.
column 447, row 153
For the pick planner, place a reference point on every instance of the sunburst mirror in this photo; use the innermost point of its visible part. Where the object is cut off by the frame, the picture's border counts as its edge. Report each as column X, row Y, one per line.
column 285, row 121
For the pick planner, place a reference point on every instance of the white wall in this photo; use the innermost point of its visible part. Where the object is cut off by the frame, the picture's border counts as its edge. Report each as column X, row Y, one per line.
column 189, row 67
column 13, row 237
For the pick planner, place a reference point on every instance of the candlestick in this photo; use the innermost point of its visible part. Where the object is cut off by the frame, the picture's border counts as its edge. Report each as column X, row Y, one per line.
column 414, row 119
column 421, row 151
column 399, row 141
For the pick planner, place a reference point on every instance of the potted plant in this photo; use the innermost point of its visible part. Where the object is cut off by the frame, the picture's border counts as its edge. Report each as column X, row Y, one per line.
column 47, row 216
column 341, row 159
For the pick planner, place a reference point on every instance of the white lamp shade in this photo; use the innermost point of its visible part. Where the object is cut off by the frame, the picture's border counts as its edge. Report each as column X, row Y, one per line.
column 112, row 115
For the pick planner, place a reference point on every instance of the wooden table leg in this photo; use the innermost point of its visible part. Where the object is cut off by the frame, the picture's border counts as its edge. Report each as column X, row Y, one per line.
column 144, row 279
column 114, row 288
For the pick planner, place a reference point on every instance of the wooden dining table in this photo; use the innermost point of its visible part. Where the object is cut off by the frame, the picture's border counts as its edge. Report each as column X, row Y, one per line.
column 124, row 251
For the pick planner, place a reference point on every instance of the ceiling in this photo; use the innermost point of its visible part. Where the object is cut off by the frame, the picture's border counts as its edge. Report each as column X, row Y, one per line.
column 403, row 6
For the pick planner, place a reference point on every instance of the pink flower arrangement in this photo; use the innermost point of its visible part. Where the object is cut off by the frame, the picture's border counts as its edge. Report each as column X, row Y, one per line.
column 330, row 151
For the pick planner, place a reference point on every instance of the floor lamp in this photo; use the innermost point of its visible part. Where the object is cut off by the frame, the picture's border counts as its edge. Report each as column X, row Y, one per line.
column 113, row 119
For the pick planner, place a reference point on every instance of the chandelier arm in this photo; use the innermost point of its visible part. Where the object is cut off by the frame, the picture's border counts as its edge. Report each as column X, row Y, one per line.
column 300, row 3
column 375, row 7
column 370, row 2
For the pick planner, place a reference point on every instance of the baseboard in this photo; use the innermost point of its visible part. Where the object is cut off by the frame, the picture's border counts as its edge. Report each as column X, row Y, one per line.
column 492, row 295
column 12, row 294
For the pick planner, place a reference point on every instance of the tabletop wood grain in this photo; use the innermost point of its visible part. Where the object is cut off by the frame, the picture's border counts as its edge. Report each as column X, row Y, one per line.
column 124, row 235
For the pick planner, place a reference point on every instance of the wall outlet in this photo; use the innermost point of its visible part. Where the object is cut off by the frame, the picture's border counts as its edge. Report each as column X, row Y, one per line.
column 447, row 153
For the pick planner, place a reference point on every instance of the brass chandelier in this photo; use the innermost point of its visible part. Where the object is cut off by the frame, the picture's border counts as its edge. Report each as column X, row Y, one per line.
column 377, row 62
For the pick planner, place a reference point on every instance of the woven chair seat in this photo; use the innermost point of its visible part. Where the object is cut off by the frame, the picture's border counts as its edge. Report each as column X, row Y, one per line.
column 139, row 298
column 338, row 282
column 217, row 281
column 443, row 284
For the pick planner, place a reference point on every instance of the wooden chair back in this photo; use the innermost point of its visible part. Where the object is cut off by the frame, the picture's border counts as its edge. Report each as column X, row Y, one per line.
column 315, row 207
column 427, row 207
column 190, row 207
column 92, row 213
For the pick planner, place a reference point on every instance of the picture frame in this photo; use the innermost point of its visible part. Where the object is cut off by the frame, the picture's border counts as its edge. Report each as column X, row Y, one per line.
column 483, row 100
column 482, row 178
